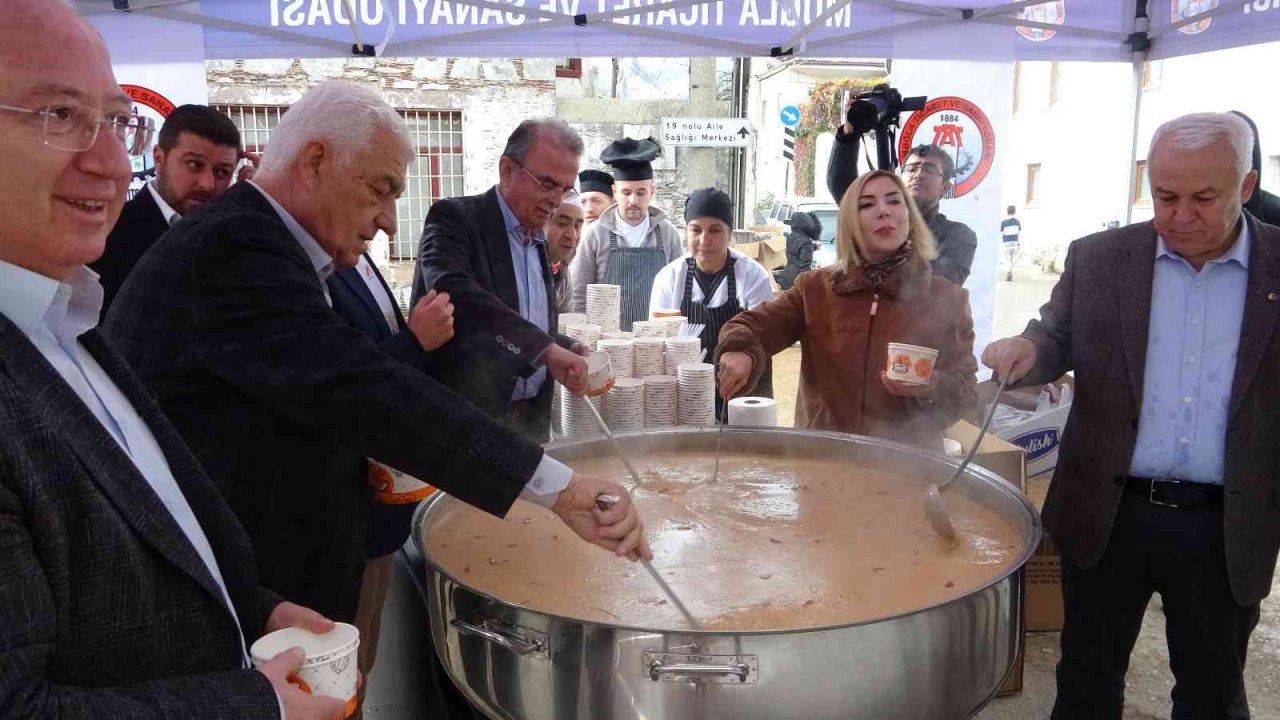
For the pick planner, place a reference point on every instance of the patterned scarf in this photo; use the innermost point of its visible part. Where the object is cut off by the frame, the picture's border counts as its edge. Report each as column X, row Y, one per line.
column 876, row 271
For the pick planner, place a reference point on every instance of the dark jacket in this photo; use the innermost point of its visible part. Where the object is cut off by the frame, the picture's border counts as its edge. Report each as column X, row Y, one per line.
column 1095, row 324
column 141, row 223
column 1262, row 205
column 282, row 400
column 465, row 252
column 106, row 609
column 844, row 348
column 806, row 229
column 388, row 524
column 956, row 242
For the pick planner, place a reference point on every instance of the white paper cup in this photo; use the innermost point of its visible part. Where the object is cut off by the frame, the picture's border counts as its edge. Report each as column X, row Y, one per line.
column 392, row 487
column 599, row 373
column 910, row 363
column 330, row 665
column 952, row 448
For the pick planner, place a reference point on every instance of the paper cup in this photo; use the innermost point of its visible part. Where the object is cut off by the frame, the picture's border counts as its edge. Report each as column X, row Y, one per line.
column 910, row 363
column 330, row 666
column 599, row 373
column 392, row 487
column 665, row 312
column 952, row 448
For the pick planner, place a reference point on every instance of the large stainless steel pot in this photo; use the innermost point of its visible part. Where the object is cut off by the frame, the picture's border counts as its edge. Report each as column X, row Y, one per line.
column 943, row 661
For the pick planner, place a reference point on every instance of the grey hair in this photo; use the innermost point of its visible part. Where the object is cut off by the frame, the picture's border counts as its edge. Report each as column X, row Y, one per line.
column 1200, row 130
column 553, row 129
column 340, row 113
column 948, row 165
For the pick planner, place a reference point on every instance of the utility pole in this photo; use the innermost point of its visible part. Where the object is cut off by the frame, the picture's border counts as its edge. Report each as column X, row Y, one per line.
column 701, row 165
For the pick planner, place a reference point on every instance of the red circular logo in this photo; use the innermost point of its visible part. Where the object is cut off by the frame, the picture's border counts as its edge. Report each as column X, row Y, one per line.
column 147, row 103
column 961, row 129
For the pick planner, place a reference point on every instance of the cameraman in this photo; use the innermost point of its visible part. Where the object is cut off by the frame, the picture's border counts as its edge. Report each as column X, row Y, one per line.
column 928, row 171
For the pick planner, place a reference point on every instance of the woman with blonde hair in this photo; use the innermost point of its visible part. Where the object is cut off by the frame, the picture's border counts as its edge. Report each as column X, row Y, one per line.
column 880, row 290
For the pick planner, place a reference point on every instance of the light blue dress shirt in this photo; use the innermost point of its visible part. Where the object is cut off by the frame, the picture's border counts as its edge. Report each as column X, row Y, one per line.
column 1192, row 341
column 53, row 315
column 530, row 287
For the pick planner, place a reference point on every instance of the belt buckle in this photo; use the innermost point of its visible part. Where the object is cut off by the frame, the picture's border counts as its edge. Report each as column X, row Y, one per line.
column 1151, row 494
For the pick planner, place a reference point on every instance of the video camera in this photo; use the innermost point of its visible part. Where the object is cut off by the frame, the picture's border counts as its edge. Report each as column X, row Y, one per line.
column 880, row 110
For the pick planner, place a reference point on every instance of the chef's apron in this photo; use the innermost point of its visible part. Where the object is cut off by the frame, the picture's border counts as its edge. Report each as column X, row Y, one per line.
column 712, row 319
column 633, row 269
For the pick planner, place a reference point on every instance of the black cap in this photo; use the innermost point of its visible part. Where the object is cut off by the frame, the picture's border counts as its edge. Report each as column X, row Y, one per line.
column 709, row 202
column 630, row 158
column 595, row 181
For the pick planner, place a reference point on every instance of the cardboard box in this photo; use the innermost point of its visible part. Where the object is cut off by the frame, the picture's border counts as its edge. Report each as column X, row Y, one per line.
column 772, row 253
column 998, row 456
column 1044, row 611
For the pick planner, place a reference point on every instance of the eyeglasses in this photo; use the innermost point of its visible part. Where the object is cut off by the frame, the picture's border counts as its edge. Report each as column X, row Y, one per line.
column 75, row 129
column 547, row 186
column 919, row 168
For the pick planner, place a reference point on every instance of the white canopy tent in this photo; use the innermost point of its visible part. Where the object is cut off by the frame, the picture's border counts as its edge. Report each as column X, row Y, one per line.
column 1107, row 30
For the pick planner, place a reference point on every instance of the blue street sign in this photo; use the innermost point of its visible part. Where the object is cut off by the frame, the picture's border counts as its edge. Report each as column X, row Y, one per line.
column 790, row 115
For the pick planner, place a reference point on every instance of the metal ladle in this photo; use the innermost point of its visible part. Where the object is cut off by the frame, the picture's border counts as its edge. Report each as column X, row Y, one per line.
column 934, row 508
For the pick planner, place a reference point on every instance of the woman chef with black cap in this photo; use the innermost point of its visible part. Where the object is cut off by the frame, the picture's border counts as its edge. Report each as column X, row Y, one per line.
column 712, row 282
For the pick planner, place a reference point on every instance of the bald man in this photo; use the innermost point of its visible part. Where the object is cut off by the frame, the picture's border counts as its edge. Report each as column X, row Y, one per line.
column 127, row 589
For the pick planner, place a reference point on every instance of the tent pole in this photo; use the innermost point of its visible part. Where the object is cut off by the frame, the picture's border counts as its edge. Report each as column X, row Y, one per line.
column 1141, row 44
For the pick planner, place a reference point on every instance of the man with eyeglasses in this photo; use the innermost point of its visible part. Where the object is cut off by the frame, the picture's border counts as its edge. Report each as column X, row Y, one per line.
column 195, row 160
column 928, row 172
column 127, row 587
column 489, row 253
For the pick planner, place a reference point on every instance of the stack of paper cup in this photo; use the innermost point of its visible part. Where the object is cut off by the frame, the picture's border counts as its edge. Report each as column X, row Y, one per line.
column 604, row 306
column 555, row 409
column 648, row 328
column 617, row 335
column 329, row 668
column 576, row 419
column 697, row 390
column 681, row 350
column 648, row 356
column 624, row 405
column 586, row 333
column 671, row 325
column 564, row 320
column 661, row 401
column 753, row 411
column 620, row 355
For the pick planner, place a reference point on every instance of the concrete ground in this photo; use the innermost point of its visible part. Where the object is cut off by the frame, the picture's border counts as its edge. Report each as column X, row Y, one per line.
column 393, row 692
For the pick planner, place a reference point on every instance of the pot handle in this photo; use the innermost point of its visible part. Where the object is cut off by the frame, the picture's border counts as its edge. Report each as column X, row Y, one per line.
column 503, row 638
column 657, row 669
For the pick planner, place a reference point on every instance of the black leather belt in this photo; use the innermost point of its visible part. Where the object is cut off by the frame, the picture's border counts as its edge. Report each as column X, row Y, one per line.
column 1175, row 493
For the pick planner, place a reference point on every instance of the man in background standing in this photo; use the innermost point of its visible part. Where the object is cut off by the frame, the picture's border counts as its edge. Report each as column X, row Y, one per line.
column 632, row 240
column 1010, row 229
column 195, row 159
column 595, row 188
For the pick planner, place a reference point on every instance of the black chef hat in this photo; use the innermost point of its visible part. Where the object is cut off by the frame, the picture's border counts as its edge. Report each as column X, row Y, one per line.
column 630, row 158
column 709, row 202
column 595, row 181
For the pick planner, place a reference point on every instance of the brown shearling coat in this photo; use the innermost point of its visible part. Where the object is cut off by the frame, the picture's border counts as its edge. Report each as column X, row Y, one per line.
column 844, row 348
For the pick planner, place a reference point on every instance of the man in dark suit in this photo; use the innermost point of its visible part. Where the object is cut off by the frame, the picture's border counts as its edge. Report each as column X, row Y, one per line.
column 127, row 588
column 488, row 252
column 228, row 320
column 195, row 157
column 1166, row 481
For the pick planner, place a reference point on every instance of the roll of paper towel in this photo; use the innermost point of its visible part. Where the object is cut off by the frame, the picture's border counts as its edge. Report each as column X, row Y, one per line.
column 753, row 411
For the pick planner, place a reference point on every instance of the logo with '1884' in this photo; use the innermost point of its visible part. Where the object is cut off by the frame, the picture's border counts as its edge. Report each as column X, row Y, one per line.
column 962, row 130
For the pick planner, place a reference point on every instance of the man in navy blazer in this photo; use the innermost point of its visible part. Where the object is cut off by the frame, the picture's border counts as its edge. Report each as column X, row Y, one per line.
column 228, row 320
column 127, row 587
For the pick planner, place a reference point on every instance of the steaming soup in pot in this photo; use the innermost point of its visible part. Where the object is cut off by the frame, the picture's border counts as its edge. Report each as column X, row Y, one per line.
column 773, row 544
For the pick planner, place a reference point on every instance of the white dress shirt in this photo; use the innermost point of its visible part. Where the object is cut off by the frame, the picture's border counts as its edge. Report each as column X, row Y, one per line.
column 171, row 216
column 53, row 315
column 380, row 295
